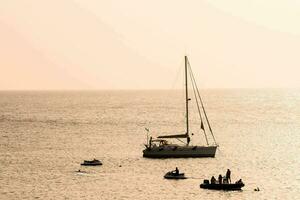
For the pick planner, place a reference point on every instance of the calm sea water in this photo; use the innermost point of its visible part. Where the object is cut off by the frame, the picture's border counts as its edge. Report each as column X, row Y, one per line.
column 46, row 135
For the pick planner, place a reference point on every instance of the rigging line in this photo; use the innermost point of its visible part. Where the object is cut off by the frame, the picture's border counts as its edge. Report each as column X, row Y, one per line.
column 170, row 91
column 201, row 125
column 178, row 84
column 180, row 141
column 181, row 92
column 179, row 71
column 202, row 104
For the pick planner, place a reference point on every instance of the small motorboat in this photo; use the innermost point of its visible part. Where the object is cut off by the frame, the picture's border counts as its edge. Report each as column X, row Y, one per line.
column 174, row 175
column 94, row 162
column 224, row 186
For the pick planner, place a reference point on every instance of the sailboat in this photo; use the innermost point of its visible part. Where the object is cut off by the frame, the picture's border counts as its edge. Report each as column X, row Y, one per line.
column 160, row 147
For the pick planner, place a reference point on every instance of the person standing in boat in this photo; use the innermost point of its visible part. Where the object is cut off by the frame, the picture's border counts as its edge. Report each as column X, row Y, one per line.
column 228, row 173
column 220, row 179
column 150, row 142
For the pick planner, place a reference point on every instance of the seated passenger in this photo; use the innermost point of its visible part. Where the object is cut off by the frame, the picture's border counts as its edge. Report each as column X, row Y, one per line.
column 220, row 179
column 213, row 180
column 239, row 181
column 176, row 171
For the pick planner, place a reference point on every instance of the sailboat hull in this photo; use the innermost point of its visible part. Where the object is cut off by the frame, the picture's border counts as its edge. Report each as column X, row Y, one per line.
column 180, row 151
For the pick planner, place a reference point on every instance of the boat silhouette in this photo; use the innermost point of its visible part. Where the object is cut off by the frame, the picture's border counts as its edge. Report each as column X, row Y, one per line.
column 160, row 147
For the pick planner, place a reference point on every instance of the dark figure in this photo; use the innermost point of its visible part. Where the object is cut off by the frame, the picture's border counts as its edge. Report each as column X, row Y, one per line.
column 228, row 175
column 176, row 171
column 150, row 142
column 225, row 180
column 220, row 179
column 213, row 180
column 240, row 181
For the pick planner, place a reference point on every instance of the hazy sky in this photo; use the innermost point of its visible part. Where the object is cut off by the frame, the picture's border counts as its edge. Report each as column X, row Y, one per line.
column 140, row 44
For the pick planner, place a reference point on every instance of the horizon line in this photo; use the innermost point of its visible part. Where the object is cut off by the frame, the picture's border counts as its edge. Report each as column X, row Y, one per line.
column 146, row 89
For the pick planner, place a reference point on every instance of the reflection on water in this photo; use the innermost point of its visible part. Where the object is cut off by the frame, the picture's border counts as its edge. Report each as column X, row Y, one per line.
column 46, row 135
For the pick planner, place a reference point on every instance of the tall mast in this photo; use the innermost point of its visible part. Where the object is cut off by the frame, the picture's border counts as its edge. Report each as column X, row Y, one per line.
column 186, row 99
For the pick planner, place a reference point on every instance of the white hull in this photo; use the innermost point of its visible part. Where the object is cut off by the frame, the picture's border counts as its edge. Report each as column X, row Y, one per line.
column 171, row 151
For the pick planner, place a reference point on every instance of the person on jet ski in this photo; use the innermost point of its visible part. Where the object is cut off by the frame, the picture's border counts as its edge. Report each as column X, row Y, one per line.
column 176, row 171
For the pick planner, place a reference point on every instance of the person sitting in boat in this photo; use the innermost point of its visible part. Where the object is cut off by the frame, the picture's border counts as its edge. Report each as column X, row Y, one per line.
column 239, row 181
column 213, row 180
column 228, row 175
column 176, row 171
column 164, row 142
column 220, row 179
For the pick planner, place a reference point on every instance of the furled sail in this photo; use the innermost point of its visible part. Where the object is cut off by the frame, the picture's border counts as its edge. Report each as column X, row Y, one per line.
column 174, row 136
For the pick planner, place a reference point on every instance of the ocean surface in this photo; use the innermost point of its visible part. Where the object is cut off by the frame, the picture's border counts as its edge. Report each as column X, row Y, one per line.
column 45, row 135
